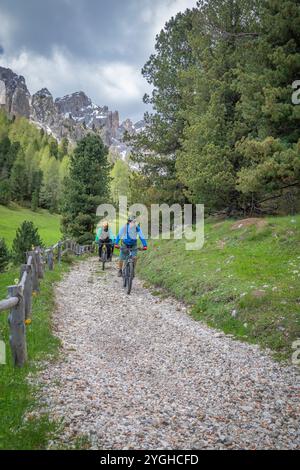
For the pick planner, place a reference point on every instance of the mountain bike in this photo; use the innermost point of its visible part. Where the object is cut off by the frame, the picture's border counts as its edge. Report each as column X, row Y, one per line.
column 128, row 269
column 104, row 257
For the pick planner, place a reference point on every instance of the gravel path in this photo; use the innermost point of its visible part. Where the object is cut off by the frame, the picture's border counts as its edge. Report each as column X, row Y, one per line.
column 138, row 373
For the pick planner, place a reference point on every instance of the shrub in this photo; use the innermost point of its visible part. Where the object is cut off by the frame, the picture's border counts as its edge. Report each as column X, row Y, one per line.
column 4, row 255
column 86, row 239
column 26, row 236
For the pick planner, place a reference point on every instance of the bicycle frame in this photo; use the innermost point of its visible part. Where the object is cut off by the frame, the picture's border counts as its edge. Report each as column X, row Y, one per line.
column 104, row 253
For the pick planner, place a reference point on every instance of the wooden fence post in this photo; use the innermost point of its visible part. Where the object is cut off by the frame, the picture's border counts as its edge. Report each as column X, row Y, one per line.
column 34, row 273
column 16, row 321
column 39, row 262
column 59, row 252
column 50, row 260
column 27, row 290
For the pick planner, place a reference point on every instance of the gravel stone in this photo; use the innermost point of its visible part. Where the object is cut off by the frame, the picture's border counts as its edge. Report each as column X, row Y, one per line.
column 137, row 372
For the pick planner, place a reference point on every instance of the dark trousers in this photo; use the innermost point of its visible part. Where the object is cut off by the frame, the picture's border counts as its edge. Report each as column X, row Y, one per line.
column 108, row 248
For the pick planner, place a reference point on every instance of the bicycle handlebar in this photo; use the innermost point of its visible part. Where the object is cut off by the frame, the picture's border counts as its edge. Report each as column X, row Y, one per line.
column 106, row 243
column 118, row 247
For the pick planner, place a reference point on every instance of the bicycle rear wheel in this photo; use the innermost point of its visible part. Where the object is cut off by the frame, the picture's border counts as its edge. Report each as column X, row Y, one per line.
column 104, row 259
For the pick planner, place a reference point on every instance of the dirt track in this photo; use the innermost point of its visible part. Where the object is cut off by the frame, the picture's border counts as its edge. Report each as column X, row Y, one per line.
column 137, row 372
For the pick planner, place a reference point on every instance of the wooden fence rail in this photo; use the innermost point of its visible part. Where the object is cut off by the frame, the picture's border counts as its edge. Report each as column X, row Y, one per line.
column 19, row 300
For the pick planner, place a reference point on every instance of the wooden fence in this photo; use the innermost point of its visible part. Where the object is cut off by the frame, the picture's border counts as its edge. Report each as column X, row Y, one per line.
column 19, row 300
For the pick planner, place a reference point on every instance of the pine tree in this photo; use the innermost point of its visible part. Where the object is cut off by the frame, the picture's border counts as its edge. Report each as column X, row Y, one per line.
column 35, row 201
column 207, row 163
column 154, row 148
column 85, row 188
column 26, row 236
column 8, row 155
column 49, row 192
column 19, row 179
column 5, row 192
column 271, row 149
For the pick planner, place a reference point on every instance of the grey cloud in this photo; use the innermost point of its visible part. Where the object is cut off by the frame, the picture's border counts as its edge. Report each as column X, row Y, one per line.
column 92, row 32
column 87, row 28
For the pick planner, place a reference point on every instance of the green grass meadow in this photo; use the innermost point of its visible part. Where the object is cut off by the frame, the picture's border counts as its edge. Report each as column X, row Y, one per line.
column 12, row 217
column 245, row 282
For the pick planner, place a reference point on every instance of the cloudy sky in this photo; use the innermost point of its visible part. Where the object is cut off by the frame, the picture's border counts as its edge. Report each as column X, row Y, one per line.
column 98, row 46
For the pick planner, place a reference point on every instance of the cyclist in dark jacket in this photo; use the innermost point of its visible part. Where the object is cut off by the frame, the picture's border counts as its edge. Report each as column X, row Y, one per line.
column 104, row 236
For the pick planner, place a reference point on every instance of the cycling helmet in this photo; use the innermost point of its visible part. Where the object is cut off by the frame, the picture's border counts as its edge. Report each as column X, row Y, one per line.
column 131, row 218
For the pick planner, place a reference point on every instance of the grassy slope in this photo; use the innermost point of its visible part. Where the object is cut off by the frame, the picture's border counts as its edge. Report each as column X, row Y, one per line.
column 254, row 271
column 11, row 218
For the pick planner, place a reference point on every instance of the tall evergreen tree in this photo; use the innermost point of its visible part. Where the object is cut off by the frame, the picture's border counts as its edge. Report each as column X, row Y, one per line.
column 86, row 187
column 49, row 192
column 271, row 149
column 207, row 164
column 154, row 148
column 19, row 179
column 8, row 155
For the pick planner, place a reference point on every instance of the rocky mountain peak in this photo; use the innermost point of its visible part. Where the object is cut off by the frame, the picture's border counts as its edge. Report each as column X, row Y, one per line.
column 43, row 93
column 14, row 94
column 73, row 103
column 43, row 110
column 128, row 125
column 71, row 116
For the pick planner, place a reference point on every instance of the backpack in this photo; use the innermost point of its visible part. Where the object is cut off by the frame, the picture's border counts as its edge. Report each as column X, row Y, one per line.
column 104, row 235
column 131, row 232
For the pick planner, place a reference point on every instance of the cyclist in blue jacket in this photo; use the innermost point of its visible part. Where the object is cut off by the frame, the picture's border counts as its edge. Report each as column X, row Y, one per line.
column 128, row 236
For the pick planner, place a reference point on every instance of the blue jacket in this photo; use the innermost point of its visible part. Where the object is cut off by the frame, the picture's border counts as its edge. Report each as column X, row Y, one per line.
column 129, row 235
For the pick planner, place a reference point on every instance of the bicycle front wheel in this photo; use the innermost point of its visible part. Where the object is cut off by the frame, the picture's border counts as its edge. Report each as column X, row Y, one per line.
column 130, row 277
column 124, row 273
